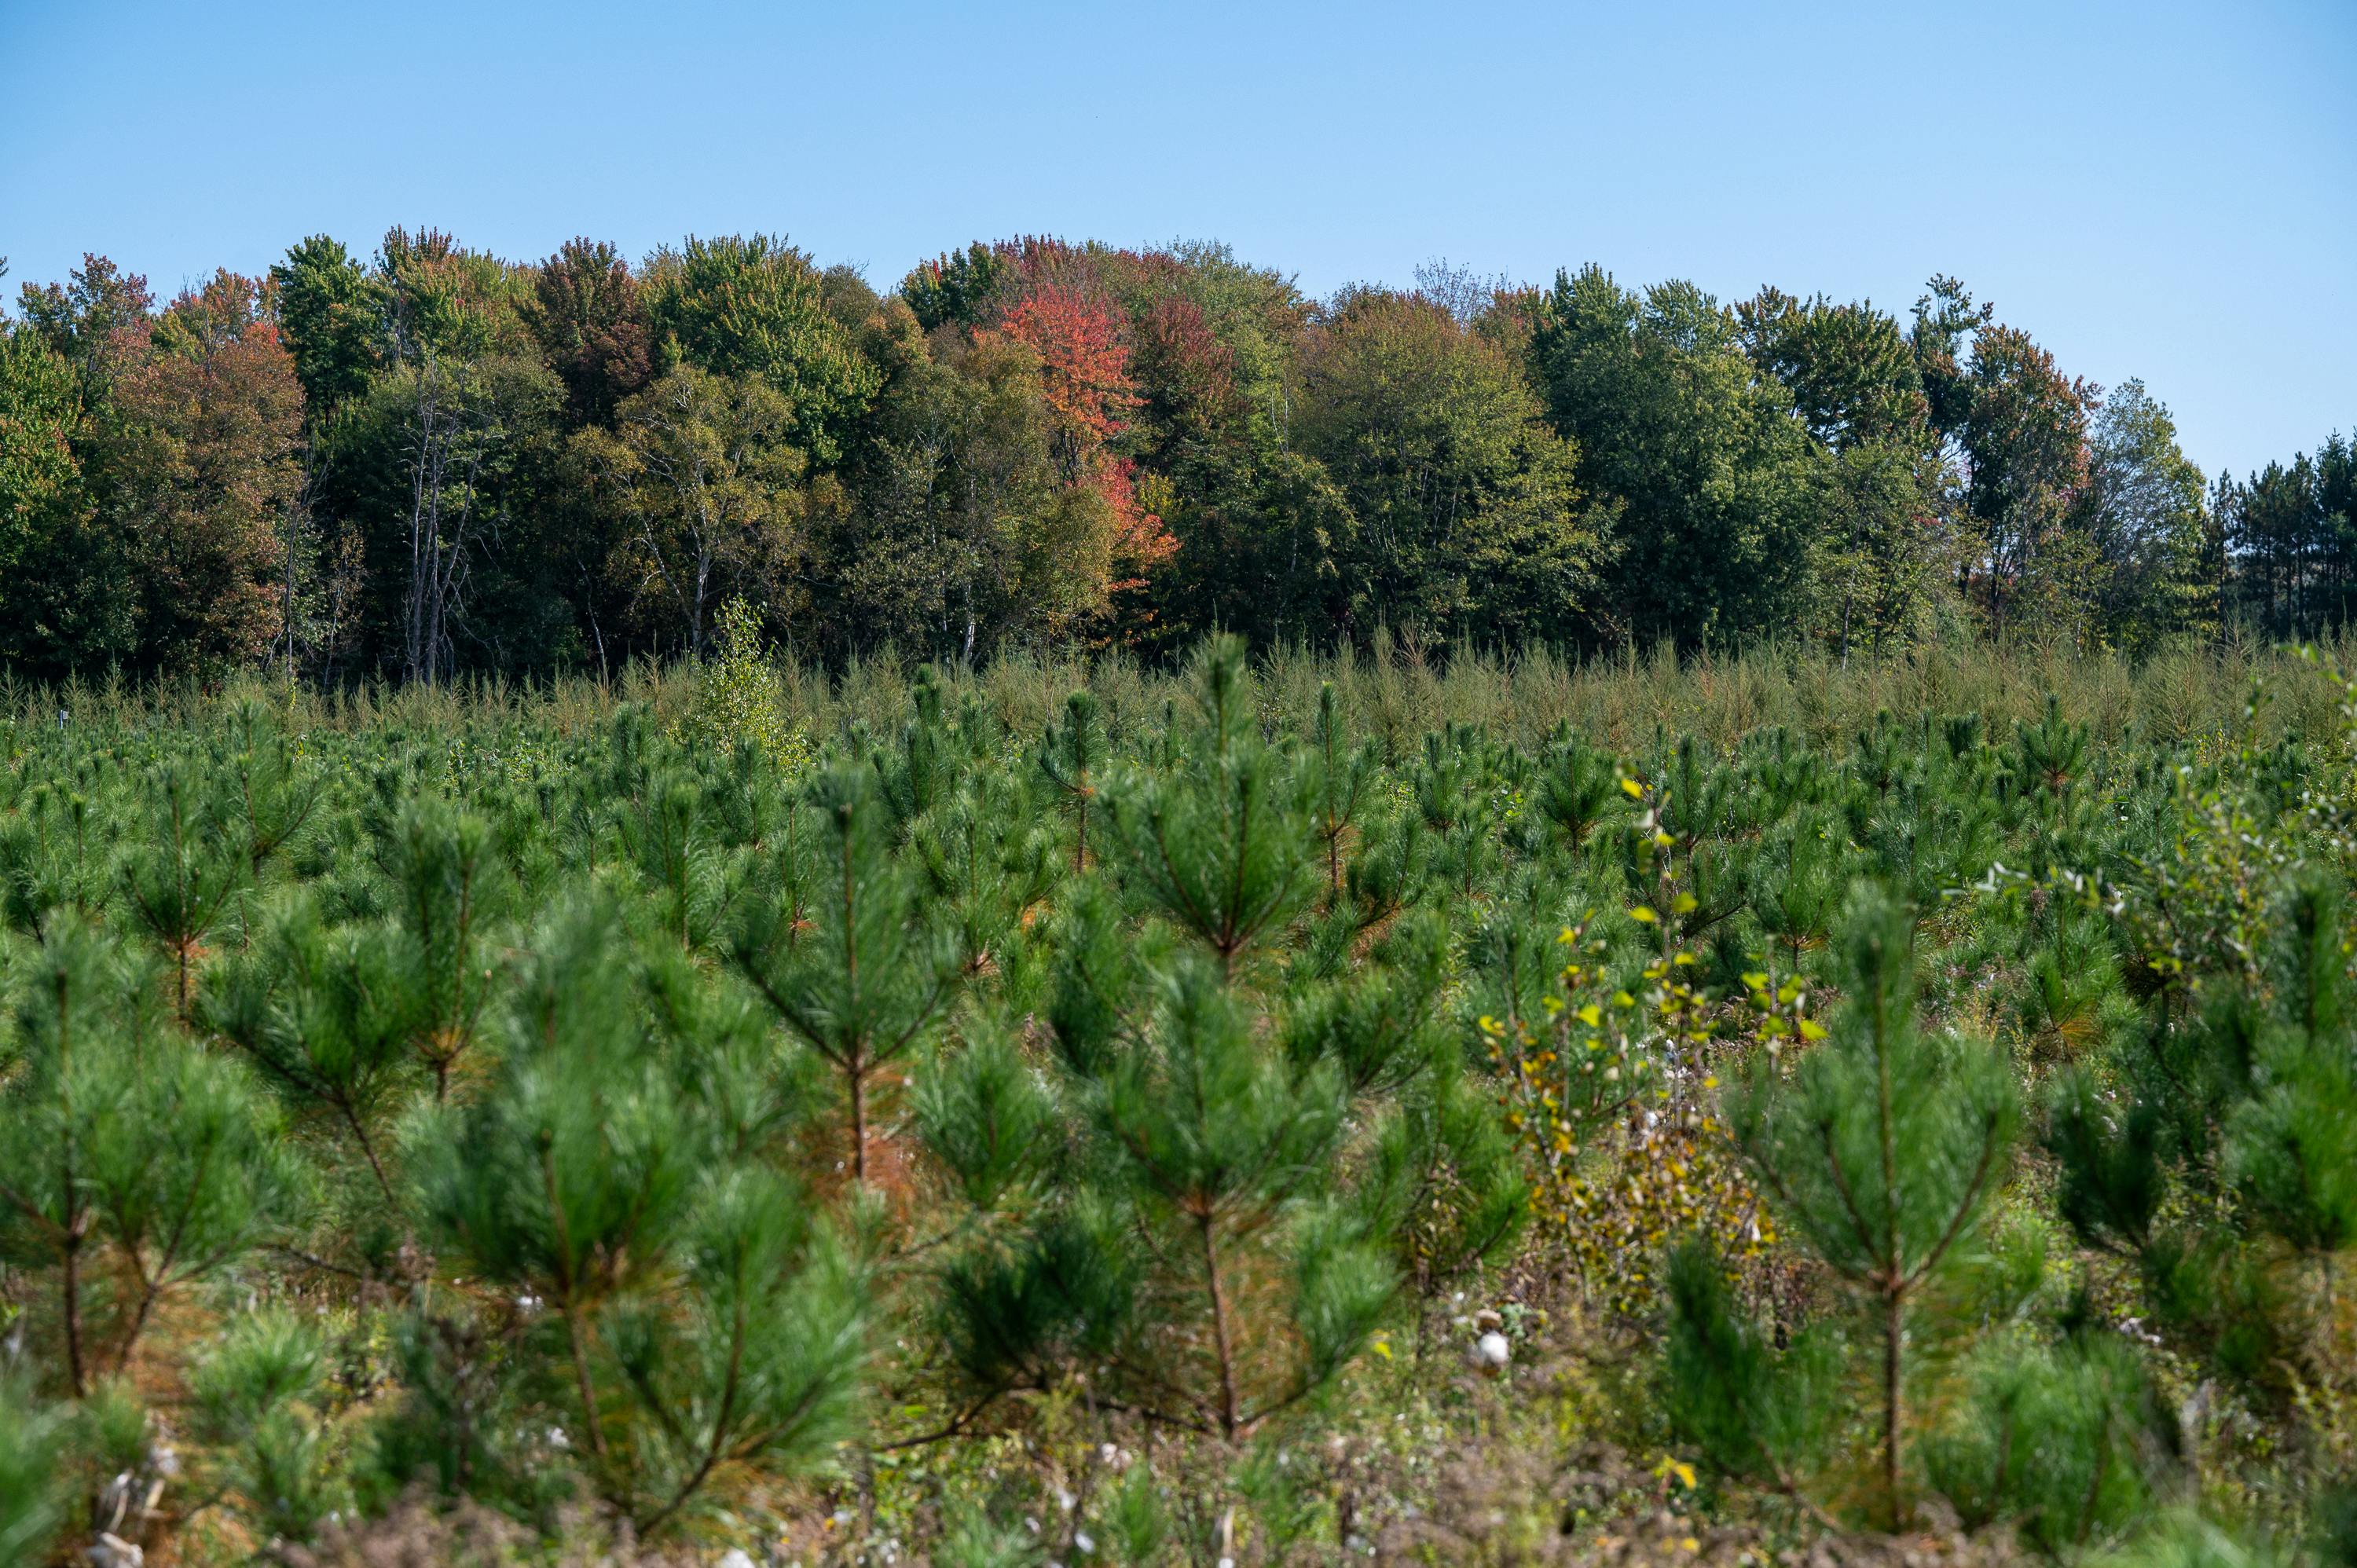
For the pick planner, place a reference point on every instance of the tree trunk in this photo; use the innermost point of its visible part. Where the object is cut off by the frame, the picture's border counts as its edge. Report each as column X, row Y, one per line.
column 859, row 1126
column 1231, row 1412
column 1894, row 1333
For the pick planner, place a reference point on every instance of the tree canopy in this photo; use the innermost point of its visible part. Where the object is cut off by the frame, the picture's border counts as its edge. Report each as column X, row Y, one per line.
column 427, row 461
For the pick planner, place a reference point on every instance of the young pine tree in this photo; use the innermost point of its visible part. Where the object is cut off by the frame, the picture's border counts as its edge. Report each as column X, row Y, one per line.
column 1571, row 789
column 329, row 1015
column 133, row 1163
column 984, row 863
column 1882, row 1149
column 446, row 888
column 2291, row 1148
column 1341, row 781
column 1072, row 756
column 31, row 1435
column 2249, row 1108
column 178, row 877
column 1202, row 1259
column 1199, row 1264
column 871, row 976
column 1753, row 1409
column 697, row 1320
column 1218, row 840
column 270, row 796
column 2058, row 1438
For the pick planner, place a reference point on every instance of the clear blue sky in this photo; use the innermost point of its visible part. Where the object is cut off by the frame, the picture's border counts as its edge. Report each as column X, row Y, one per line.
column 2153, row 189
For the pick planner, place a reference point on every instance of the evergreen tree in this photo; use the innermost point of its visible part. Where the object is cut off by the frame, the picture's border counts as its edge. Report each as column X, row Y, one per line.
column 1204, row 1273
column 1755, row 1408
column 330, row 1015
column 1342, row 778
column 865, row 984
column 697, row 1315
column 180, row 880
column 2059, row 1439
column 1072, row 756
column 132, row 1162
column 1218, row 841
column 30, row 1436
column 985, row 866
column 1883, row 1149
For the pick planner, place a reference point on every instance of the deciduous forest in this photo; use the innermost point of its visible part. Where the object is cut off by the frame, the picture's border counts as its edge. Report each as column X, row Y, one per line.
column 429, row 461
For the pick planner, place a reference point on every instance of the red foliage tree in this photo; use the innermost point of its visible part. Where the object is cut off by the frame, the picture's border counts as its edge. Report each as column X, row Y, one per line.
column 1188, row 375
column 1083, row 367
column 201, row 457
column 1080, row 336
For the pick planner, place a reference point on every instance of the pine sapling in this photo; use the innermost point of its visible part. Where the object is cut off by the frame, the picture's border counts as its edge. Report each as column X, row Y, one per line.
column 1882, row 1148
column 273, row 795
column 447, row 889
column 699, row 1319
column 1344, row 778
column 329, row 1014
column 1573, row 789
column 1072, row 756
column 1224, row 1153
column 1217, row 840
column 133, row 1162
column 863, row 987
column 180, row 879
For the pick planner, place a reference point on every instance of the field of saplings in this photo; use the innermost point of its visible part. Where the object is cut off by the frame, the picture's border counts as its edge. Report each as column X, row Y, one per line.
column 1275, row 1111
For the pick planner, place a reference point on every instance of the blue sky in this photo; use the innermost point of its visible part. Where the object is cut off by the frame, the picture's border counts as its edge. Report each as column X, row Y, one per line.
column 2153, row 189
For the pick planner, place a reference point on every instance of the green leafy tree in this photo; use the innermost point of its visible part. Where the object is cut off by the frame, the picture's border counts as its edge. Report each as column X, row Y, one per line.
column 1851, row 372
column 587, row 314
column 2020, row 428
column 93, row 320
column 2147, row 515
column 328, row 311
column 66, row 608
column 955, row 288
column 966, row 526
column 200, row 457
column 752, row 306
column 1700, row 457
column 1468, row 520
column 707, row 487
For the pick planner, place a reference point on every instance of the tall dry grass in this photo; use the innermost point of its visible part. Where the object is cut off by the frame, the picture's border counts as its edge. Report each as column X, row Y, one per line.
column 1393, row 695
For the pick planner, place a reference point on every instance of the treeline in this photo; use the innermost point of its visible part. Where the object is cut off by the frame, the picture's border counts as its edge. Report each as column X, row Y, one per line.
column 431, row 461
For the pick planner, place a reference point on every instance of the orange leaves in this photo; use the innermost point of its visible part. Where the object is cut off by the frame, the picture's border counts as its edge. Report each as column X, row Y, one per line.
column 1080, row 336
column 1140, row 542
column 1083, row 362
